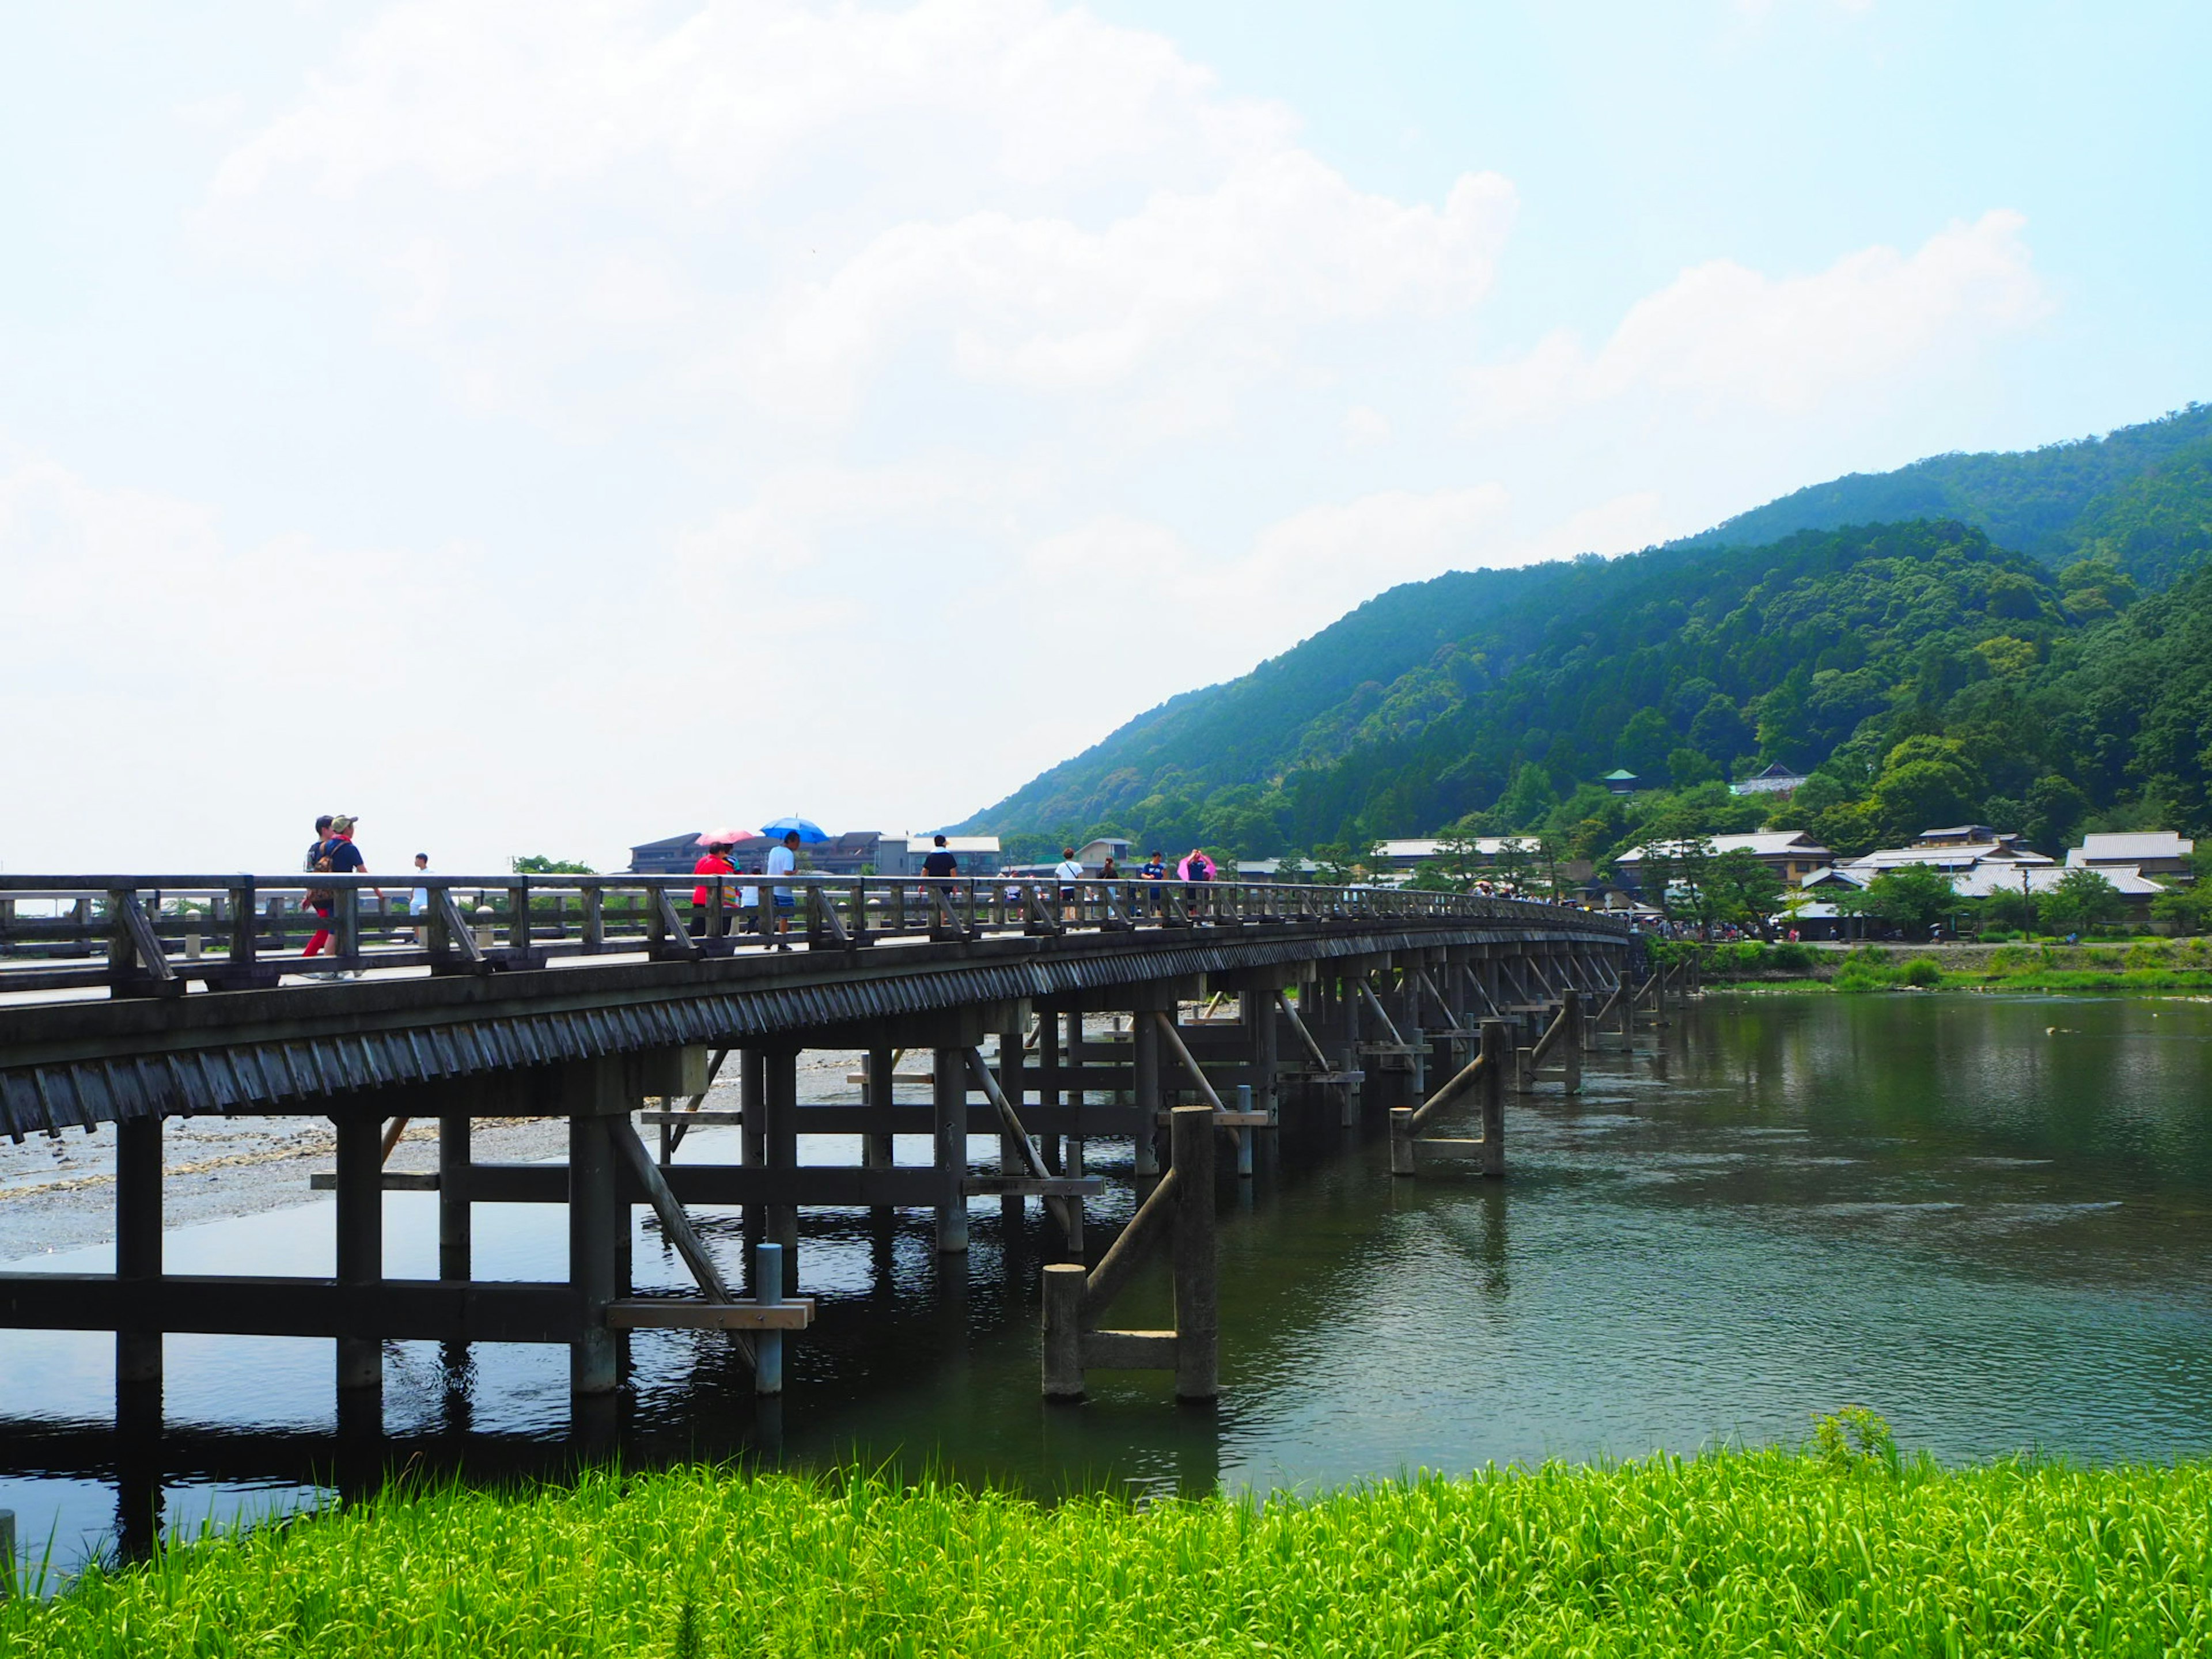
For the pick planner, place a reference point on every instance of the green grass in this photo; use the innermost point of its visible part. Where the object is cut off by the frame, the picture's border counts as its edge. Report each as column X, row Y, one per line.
column 1847, row 1549
column 2142, row 965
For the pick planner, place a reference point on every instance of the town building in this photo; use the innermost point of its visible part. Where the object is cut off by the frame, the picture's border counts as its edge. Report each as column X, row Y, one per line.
column 2147, row 852
column 857, row 852
column 1790, row 853
column 903, row 855
column 1775, row 780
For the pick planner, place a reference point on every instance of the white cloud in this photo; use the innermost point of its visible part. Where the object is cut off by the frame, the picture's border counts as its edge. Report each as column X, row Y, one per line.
column 1725, row 336
column 1365, row 428
column 759, row 209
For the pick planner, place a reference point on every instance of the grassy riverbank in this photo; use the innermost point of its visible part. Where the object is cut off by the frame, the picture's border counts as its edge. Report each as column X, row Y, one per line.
column 1851, row 1552
column 2157, row 964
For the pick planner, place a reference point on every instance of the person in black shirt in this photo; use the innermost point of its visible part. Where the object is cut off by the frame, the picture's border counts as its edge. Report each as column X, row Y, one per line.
column 940, row 861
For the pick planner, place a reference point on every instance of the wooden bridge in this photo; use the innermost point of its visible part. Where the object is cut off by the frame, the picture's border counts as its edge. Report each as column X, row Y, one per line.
column 1187, row 1019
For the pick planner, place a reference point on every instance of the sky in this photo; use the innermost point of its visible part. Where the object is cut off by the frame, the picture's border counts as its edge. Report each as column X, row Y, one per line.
column 543, row 429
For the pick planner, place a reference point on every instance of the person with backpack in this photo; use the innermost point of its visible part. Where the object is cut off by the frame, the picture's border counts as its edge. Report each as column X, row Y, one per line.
column 334, row 855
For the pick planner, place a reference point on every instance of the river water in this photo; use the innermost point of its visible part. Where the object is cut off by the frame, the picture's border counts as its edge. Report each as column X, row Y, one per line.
column 1985, row 1216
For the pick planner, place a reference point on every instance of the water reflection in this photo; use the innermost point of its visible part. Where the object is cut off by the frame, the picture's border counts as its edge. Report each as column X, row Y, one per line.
column 1985, row 1216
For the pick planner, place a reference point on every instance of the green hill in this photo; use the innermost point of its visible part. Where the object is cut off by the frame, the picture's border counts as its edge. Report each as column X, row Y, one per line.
column 1975, row 612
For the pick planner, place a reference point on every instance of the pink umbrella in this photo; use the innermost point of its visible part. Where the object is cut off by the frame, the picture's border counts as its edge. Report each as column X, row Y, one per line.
column 724, row 838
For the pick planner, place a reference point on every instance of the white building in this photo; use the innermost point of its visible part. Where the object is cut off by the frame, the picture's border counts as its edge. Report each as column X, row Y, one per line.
column 2151, row 851
column 1790, row 853
column 1775, row 780
column 901, row 855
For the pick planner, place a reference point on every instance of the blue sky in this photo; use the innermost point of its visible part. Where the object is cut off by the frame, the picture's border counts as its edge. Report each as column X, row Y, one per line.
column 539, row 430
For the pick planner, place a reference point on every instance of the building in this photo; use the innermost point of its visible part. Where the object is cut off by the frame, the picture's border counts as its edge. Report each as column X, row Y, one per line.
column 1790, row 853
column 854, row 853
column 1092, row 855
column 1775, row 780
column 1620, row 781
column 1410, row 854
column 2147, row 852
column 671, row 855
column 1960, row 850
column 901, row 855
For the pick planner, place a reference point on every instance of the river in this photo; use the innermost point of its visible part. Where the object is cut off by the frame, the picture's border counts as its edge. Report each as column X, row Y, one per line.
column 1986, row 1217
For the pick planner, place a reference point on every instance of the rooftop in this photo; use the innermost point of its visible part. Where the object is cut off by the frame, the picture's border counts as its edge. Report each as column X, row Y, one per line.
column 2135, row 847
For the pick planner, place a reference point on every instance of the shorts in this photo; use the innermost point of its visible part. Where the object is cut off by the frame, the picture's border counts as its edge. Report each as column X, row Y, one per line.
column 786, row 902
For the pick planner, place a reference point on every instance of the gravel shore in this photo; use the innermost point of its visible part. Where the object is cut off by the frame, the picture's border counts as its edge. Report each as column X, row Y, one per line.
column 58, row 1193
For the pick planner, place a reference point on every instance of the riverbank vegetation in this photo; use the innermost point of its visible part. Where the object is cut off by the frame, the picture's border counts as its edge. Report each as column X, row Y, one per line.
column 1847, row 1548
column 2142, row 964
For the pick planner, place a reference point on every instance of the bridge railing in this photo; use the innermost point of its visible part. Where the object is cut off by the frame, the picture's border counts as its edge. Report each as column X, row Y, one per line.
column 138, row 935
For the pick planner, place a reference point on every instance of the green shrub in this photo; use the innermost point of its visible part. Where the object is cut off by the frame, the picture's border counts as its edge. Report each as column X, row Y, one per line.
column 1923, row 973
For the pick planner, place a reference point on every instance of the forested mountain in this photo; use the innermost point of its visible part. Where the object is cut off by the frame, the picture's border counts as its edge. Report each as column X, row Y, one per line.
column 1993, row 614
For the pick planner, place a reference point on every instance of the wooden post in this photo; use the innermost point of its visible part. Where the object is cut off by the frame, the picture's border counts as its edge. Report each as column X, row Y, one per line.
column 1198, row 1313
column 1012, row 1157
column 138, row 1238
column 949, row 1097
column 1350, row 999
column 753, row 1135
column 1266, row 1038
column 594, row 1356
column 454, row 1213
column 879, row 1091
column 780, row 1105
column 1572, row 1042
column 1063, row 1331
column 359, row 1236
column 768, row 1344
column 1498, row 1056
column 1401, row 1141
column 1144, row 1065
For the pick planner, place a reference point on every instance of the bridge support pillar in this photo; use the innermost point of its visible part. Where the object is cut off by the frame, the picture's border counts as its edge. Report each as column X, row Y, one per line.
column 779, row 1110
column 753, row 1142
column 1498, row 1060
column 1348, row 999
column 1145, row 1064
column 878, row 1090
column 359, row 1238
column 139, row 1241
column 454, row 1213
column 948, row 1097
column 594, row 1356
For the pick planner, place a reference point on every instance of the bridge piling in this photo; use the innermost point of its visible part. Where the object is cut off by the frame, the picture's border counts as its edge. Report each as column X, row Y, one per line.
column 594, row 1364
column 949, row 1099
column 455, row 1215
column 138, row 1239
column 359, row 1220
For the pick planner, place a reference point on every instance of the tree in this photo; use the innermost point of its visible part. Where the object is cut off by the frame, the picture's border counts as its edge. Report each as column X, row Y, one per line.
column 2007, row 908
column 1911, row 896
column 1644, row 742
column 1337, row 863
column 1512, row 865
column 1742, row 890
column 2080, row 899
column 537, row 864
column 1686, row 769
column 2189, row 910
column 1459, row 859
column 1529, row 798
column 1926, row 782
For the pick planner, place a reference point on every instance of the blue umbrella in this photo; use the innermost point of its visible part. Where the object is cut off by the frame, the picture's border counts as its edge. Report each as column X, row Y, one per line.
column 809, row 831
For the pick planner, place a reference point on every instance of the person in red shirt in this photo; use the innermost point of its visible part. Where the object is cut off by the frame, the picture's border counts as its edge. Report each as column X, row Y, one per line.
column 715, row 863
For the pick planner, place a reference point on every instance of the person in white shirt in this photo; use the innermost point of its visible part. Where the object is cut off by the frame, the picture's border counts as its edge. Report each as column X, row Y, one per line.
column 418, row 901
column 782, row 861
column 1070, row 871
